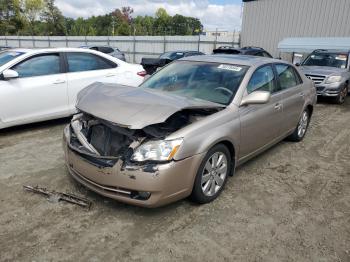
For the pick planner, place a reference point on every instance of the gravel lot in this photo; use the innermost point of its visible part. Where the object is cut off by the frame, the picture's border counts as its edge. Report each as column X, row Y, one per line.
column 291, row 203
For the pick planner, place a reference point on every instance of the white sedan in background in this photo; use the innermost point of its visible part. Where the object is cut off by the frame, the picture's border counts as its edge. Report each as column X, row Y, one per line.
column 42, row 84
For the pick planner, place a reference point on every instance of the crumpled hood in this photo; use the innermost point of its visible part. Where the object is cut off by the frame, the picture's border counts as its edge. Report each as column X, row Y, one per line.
column 321, row 70
column 132, row 107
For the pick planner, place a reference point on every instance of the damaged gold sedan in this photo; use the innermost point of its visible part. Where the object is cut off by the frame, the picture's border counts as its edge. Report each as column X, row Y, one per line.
column 186, row 128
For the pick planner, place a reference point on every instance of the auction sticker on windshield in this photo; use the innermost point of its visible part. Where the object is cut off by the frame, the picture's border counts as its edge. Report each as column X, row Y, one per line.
column 230, row 67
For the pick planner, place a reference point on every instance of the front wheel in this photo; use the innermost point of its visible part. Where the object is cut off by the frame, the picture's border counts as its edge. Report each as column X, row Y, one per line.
column 212, row 175
column 340, row 99
column 301, row 128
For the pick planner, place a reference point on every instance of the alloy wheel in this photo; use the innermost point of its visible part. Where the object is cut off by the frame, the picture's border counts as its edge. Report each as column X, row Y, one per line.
column 214, row 173
column 342, row 95
column 302, row 126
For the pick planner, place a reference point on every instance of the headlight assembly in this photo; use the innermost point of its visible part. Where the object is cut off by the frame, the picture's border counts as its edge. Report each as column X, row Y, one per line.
column 333, row 79
column 162, row 150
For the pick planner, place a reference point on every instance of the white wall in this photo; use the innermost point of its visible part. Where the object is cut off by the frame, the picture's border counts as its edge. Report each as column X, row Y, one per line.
column 134, row 48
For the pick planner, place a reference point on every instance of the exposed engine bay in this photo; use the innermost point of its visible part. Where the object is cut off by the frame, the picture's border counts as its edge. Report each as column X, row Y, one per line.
column 100, row 140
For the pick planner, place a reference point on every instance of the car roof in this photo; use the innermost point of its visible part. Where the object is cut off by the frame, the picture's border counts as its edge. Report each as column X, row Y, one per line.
column 60, row 49
column 331, row 51
column 181, row 51
column 88, row 46
column 233, row 59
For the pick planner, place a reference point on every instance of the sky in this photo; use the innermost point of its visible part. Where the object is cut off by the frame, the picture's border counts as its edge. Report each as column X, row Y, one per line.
column 221, row 14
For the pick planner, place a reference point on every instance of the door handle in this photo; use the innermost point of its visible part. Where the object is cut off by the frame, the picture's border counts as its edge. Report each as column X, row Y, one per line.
column 278, row 106
column 59, row 81
column 301, row 94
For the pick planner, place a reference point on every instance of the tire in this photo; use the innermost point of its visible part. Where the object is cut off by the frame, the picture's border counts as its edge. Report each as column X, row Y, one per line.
column 340, row 99
column 301, row 129
column 208, row 185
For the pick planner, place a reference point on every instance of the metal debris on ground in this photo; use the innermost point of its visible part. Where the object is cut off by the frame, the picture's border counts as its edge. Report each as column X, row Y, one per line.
column 54, row 196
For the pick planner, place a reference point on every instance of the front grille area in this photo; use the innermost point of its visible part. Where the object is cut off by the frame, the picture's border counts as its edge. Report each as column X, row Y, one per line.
column 320, row 88
column 317, row 79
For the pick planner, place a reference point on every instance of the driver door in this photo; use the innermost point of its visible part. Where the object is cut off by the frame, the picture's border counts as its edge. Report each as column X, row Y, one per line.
column 40, row 91
column 261, row 123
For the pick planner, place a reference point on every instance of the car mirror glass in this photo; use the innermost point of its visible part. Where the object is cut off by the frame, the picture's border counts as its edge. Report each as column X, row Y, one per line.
column 256, row 97
column 9, row 74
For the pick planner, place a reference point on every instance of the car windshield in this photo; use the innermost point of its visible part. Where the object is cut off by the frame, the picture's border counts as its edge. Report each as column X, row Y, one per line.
column 172, row 55
column 7, row 56
column 212, row 82
column 327, row 59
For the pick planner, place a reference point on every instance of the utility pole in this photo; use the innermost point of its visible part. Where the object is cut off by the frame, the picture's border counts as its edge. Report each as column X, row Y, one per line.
column 113, row 24
column 134, row 46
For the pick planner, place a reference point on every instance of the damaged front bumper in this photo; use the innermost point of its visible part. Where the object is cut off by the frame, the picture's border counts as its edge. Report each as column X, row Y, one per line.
column 148, row 185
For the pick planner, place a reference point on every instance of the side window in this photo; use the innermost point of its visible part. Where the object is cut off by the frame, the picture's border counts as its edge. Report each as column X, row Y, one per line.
column 298, row 77
column 48, row 64
column 286, row 76
column 78, row 62
column 265, row 54
column 192, row 54
column 263, row 79
column 259, row 54
column 105, row 49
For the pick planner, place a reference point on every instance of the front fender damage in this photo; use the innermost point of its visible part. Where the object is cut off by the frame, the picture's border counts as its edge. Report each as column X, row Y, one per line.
column 106, row 144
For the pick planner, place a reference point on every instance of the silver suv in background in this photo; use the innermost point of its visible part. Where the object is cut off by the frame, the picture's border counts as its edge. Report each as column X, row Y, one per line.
column 329, row 69
column 115, row 52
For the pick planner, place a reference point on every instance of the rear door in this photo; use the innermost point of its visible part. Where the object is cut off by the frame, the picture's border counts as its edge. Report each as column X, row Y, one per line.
column 261, row 124
column 290, row 84
column 39, row 92
column 84, row 69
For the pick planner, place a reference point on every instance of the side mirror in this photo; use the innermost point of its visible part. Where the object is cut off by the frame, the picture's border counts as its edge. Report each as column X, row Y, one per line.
column 9, row 74
column 297, row 64
column 256, row 97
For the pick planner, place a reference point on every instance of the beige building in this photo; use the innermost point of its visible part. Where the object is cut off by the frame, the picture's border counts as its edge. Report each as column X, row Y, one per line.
column 267, row 22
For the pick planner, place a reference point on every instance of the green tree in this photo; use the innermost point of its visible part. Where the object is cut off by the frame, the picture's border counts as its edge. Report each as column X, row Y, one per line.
column 10, row 18
column 31, row 10
column 124, row 29
column 162, row 22
column 79, row 27
column 53, row 18
column 42, row 17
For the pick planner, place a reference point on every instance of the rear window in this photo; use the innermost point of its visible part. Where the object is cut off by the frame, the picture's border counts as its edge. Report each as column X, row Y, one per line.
column 172, row 55
column 105, row 49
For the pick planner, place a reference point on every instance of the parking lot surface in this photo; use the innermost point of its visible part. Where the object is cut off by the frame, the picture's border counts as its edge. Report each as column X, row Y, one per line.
column 292, row 203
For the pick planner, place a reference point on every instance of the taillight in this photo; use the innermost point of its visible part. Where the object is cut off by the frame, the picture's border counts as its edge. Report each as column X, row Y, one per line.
column 142, row 73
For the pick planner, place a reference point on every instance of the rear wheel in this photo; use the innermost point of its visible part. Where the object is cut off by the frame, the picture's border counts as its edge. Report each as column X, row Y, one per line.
column 301, row 128
column 212, row 175
column 340, row 99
